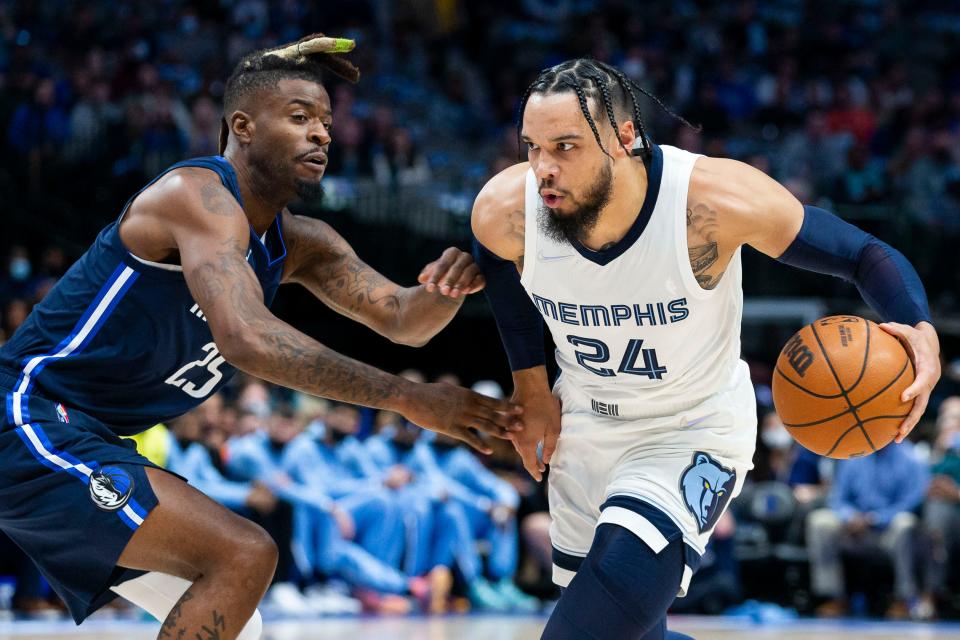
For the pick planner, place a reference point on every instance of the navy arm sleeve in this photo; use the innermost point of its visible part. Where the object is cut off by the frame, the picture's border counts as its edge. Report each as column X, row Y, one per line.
column 520, row 325
column 884, row 277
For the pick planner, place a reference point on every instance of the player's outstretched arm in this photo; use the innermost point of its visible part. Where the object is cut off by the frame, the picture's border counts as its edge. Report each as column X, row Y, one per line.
column 498, row 228
column 751, row 208
column 211, row 234
column 322, row 261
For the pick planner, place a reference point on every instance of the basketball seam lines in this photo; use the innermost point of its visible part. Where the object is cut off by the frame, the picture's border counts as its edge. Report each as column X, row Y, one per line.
column 846, row 397
column 865, row 402
column 842, row 436
column 866, row 354
column 804, row 389
column 835, row 444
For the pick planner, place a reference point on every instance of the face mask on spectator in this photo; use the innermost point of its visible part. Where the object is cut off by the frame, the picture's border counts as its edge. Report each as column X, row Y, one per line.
column 777, row 437
column 19, row 269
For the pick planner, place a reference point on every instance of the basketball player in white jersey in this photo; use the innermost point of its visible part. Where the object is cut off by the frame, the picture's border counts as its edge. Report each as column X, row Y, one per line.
column 630, row 252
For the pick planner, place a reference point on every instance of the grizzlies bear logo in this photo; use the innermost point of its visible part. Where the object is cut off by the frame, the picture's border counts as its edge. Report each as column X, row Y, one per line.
column 110, row 488
column 706, row 486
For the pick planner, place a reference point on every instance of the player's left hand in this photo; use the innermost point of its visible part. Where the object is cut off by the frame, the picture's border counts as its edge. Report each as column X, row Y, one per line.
column 923, row 346
column 454, row 274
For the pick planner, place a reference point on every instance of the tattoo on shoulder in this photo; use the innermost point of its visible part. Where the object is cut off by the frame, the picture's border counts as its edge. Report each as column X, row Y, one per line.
column 702, row 228
column 214, row 198
column 516, row 224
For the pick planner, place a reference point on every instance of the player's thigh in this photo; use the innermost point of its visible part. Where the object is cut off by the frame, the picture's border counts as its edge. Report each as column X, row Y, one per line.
column 578, row 479
column 188, row 535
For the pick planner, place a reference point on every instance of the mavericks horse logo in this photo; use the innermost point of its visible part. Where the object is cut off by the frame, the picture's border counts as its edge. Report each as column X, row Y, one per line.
column 110, row 488
column 706, row 486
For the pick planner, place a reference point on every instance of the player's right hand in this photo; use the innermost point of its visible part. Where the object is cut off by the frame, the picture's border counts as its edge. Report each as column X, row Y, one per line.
column 454, row 411
column 541, row 422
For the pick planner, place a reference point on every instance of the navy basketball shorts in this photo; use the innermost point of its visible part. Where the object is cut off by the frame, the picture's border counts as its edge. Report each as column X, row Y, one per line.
column 72, row 493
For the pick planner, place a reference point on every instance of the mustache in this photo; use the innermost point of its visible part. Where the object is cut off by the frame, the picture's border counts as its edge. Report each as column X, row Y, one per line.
column 548, row 184
column 303, row 155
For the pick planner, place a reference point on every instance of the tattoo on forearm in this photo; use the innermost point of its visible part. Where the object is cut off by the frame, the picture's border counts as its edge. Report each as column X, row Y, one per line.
column 702, row 244
column 216, row 199
column 286, row 356
column 357, row 285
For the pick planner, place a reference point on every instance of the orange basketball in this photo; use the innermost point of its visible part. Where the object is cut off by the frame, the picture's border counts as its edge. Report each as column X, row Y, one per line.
column 837, row 386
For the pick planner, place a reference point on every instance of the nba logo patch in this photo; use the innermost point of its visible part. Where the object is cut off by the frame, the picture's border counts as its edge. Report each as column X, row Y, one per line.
column 62, row 414
column 110, row 488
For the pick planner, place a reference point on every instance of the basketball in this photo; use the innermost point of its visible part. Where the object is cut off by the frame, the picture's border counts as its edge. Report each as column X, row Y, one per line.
column 837, row 386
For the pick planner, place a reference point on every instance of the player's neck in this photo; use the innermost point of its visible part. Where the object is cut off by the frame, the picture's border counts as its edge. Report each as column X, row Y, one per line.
column 626, row 200
column 260, row 208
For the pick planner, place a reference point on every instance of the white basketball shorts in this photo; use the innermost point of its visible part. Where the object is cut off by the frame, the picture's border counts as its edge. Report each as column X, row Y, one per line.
column 654, row 476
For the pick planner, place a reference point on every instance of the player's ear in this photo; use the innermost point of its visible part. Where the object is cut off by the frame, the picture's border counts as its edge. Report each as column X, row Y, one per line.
column 628, row 135
column 242, row 126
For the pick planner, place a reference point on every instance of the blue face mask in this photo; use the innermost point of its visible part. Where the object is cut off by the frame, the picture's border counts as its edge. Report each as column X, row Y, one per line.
column 953, row 444
column 19, row 269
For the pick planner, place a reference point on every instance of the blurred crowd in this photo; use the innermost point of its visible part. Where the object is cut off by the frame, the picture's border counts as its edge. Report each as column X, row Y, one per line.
column 852, row 104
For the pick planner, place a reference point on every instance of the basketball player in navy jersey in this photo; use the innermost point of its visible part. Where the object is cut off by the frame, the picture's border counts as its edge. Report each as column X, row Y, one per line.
column 158, row 314
column 630, row 251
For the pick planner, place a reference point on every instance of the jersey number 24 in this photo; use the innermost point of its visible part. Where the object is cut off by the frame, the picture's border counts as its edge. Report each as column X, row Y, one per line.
column 600, row 354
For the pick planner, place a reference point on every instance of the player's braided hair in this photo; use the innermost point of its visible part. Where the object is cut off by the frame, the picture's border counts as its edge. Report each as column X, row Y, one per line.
column 607, row 86
column 306, row 58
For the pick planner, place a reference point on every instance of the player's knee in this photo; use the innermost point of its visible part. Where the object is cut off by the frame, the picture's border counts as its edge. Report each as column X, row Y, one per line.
column 261, row 550
column 249, row 549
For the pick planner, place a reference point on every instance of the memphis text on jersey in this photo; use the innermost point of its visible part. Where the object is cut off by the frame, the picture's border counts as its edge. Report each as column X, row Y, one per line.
column 613, row 315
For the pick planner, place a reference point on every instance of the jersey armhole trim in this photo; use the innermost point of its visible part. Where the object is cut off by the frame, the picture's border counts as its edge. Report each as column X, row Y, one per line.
column 530, row 204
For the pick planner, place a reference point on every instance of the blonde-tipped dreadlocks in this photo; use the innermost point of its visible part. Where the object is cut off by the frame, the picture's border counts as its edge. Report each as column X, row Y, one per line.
column 306, row 58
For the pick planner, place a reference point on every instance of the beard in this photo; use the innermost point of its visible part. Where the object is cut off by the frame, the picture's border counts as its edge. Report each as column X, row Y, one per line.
column 269, row 172
column 309, row 192
column 576, row 224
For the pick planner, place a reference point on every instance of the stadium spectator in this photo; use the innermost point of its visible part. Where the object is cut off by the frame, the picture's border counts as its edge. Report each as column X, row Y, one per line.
column 871, row 505
column 941, row 511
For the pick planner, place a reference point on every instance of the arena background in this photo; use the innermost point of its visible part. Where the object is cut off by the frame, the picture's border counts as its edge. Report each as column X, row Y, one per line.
column 854, row 105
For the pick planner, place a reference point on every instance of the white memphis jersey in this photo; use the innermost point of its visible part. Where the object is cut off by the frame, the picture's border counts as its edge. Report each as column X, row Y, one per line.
column 631, row 323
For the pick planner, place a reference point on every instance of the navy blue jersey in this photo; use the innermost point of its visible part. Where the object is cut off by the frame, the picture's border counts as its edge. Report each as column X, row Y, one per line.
column 122, row 339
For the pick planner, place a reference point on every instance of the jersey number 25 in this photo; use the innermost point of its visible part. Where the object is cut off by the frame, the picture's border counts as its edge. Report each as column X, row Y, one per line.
column 211, row 362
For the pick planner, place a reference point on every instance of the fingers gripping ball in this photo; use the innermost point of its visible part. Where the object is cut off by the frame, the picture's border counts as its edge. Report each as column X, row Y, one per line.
column 837, row 386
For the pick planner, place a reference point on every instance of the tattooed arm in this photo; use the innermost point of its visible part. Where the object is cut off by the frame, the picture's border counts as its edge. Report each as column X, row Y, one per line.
column 211, row 233
column 731, row 204
column 322, row 261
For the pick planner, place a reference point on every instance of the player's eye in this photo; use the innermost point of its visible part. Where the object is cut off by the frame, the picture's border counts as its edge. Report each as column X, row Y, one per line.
column 565, row 146
column 328, row 126
column 531, row 146
column 706, row 485
column 300, row 117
